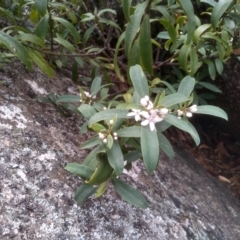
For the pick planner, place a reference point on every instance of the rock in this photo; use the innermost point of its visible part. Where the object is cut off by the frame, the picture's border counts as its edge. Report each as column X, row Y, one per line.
column 36, row 197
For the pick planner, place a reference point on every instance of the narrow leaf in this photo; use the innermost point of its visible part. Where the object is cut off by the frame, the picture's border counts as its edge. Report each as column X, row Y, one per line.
column 139, row 81
column 150, row 148
column 173, row 99
column 87, row 111
column 186, row 86
column 41, row 6
column 115, row 158
column 146, row 45
column 165, row 145
column 134, row 131
column 80, row 170
column 84, row 192
column 212, row 110
column 129, row 194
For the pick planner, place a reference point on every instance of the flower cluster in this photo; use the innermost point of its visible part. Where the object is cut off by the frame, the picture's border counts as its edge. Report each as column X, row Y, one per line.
column 148, row 116
column 87, row 96
column 104, row 136
column 187, row 112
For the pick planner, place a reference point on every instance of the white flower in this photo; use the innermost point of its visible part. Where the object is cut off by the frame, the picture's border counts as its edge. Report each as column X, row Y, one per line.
column 115, row 134
column 143, row 102
column 152, row 119
column 193, row 108
column 163, row 111
column 115, row 138
column 101, row 135
column 180, row 113
column 136, row 114
column 111, row 122
column 105, row 140
column 189, row 114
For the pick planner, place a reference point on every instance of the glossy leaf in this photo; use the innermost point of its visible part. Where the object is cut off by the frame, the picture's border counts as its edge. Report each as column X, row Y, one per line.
column 17, row 48
column 212, row 110
column 146, row 45
column 115, row 158
column 107, row 115
column 139, row 81
column 41, row 62
column 186, row 86
column 183, row 126
column 126, row 4
column 200, row 30
column 133, row 26
column 91, row 143
column 191, row 21
column 183, row 57
column 218, row 11
column 80, row 170
column 87, row 111
column 96, row 85
column 84, row 192
column 219, row 65
column 42, row 27
column 129, row 194
column 210, row 86
column 101, row 189
column 150, row 148
column 134, row 131
column 132, row 156
column 41, row 6
column 68, row 98
column 69, row 27
column 165, row 145
column 102, row 172
column 173, row 99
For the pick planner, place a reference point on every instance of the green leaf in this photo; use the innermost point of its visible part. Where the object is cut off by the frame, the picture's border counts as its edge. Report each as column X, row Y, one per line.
column 173, row 99
column 139, row 81
column 80, row 170
column 91, row 160
column 171, row 30
column 41, row 62
column 109, row 141
column 165, row 145
column 97, row 127
column 126, row 4
column 212, row 110
column 186, row 86
column 84, row 192
column 218, row 10
column 96, row 85
column 133, row 26
column 87, row 111
column 134, row 131
column 103, row 171
column 107, row 115
column 91, row 143
column 42, row 27
column 69, row 27
column 183, row 57
column 132, row 156
column 17, row 48
column 211, row 68
column 146, row 45
column 88, row 33
column 41, row 6
column 28, row 37
column 210, row 86
column 200, row 30
column 183, row 126
column 101, row 189
column 115, row 158
column 68, row 98
column 219, row 65
column 64, row 43
column 150, row 148
column 9, row 14
column 129, row 194
column 191, row 21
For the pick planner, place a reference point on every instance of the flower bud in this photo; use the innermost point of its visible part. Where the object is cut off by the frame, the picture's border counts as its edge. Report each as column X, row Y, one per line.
column 180, row 113
column 114, row 134
column 105, row 140
column 193, row 108
column 115, row 138
column 101, row 135
column 143, row 102
column 189, row 114
column 163, row 111
column 111, row 121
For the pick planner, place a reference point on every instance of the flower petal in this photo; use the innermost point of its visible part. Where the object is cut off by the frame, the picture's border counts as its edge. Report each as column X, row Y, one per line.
column 145, row 122
column 152, row 126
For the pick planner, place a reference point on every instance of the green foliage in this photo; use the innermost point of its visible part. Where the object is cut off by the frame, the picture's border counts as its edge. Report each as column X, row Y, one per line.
column 161, row 50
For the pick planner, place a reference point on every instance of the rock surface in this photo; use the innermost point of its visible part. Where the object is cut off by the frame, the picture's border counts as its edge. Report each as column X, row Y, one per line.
column 36, row 193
